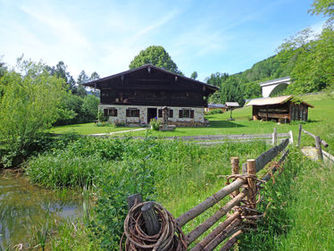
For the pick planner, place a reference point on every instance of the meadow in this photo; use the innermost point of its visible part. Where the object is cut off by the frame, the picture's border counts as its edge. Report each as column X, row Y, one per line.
column 180, row 175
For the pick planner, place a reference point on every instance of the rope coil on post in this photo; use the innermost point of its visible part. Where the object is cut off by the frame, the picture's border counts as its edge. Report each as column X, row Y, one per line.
column 169, row 237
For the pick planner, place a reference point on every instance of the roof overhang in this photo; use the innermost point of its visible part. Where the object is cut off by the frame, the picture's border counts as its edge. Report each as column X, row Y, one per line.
column 149, row 67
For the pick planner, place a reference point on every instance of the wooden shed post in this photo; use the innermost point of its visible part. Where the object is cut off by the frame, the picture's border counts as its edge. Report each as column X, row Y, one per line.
column 299, row 134
column 251, row 170
column 235, row 170
column 274, row 137
column 152, row 223
column 318, row 146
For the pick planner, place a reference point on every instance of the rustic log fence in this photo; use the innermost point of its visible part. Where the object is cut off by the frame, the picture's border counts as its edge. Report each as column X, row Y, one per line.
column 273, row 138
column 153, row 228
column 318, row 144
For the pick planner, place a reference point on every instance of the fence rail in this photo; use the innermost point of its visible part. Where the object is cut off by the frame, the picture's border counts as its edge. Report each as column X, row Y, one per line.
column 243, row 191
column 318, row 144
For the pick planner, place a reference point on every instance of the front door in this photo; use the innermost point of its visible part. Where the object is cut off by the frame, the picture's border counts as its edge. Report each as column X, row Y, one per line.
column 151, row 114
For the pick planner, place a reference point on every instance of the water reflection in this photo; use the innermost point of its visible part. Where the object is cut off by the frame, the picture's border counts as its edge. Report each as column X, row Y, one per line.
column 25, row 208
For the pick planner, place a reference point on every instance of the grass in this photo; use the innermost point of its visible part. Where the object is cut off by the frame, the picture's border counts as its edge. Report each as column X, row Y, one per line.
column 179, row 176
column 86, row 129
column 321, row 122
column 298, row 208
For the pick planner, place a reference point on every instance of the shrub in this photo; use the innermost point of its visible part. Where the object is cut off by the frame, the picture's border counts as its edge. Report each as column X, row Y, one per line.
column 155, row 124
column 214, row 111
column 25, row 98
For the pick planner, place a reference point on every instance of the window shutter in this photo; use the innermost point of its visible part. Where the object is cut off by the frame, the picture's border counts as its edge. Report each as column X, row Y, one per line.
column 127, row 112
column 192, row 114
column 160, row 113
column 105, row 112
column 180, row 114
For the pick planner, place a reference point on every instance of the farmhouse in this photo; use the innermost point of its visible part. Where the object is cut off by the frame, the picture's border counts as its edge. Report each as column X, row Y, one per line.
column 282, row 109
column 136, row 96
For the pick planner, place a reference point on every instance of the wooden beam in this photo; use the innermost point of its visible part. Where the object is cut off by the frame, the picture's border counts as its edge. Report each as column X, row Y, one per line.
column 235, row 170
column 299, row 135
column 269, row 155
column 324, row 143
column 199, row 230
column 318, row 146
column 209, row 202
column 201, row 245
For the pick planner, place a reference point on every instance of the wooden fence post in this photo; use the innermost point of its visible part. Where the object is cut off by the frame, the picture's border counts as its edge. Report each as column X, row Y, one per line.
column 318, row 146
column 291, row 137
column 274, row 137
column 152, row 223
column 251, row 170
column 134, row 199
column 235, row 170
column 299, row 134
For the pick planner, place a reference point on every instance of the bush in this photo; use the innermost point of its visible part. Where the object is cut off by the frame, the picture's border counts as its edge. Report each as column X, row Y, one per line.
column 214, row 111
column 25, row 99
column 155, row 124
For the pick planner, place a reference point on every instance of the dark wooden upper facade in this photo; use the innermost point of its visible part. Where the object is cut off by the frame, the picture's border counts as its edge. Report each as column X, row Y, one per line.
column 152, row 86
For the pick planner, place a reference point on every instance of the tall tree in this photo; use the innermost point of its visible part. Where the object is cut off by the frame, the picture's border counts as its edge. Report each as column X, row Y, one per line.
column 216, row 79
column 231, row 91
column 29, row 104
column 94, row 76
column 194, row 75
column 157, row 56
column 82, row 78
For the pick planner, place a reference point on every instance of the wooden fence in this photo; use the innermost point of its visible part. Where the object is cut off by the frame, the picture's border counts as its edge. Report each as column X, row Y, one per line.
column 241, row 208
column 318, row 144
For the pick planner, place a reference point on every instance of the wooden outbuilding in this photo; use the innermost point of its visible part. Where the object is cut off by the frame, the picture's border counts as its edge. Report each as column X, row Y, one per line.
column 136, row 96
column 213, row 106
column 282, row 109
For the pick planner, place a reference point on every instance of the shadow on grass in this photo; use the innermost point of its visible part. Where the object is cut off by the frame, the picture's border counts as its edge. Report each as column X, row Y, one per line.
column 224, row 124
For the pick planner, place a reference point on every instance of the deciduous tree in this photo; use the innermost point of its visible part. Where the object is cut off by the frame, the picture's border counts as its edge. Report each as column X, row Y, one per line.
column 157, row 56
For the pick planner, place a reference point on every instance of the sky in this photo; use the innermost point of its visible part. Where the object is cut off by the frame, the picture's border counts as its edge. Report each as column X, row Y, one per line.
column 206, row 36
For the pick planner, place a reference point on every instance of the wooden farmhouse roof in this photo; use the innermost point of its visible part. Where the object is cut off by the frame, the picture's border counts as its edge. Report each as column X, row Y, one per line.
column 273, row 101
column 151, row 71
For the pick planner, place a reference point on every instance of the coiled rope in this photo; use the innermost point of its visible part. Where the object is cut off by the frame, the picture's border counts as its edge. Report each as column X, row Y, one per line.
column 170, row 236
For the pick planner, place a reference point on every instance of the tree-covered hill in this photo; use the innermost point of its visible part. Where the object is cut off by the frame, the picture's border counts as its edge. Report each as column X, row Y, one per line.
column 308, row 58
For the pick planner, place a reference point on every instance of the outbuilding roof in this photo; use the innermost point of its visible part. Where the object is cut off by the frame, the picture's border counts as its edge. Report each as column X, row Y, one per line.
column 273, row 101
column 216, row 105
column 232, row 104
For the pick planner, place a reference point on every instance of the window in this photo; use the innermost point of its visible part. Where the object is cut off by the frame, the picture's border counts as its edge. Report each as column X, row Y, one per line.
column 186, row 113
column 110, row 112
column 170, row 113
column 132, row 112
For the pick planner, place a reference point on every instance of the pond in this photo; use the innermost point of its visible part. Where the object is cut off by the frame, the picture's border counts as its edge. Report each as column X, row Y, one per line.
column 26, row 209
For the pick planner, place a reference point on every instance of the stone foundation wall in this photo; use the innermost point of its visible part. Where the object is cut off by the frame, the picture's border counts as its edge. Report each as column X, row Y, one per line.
column 121, row 118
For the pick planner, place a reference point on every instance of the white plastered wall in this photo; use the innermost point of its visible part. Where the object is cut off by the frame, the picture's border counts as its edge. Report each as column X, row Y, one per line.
column 142, row 119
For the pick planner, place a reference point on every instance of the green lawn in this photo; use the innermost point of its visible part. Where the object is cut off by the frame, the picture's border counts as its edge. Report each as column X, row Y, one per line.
column 87, row 128
column 321, row 122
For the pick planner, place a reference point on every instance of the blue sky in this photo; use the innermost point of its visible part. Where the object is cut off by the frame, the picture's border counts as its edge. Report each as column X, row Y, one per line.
column 104, row 36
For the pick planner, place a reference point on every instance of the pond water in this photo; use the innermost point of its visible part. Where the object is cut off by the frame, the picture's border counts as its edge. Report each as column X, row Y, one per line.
column 25, row 209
